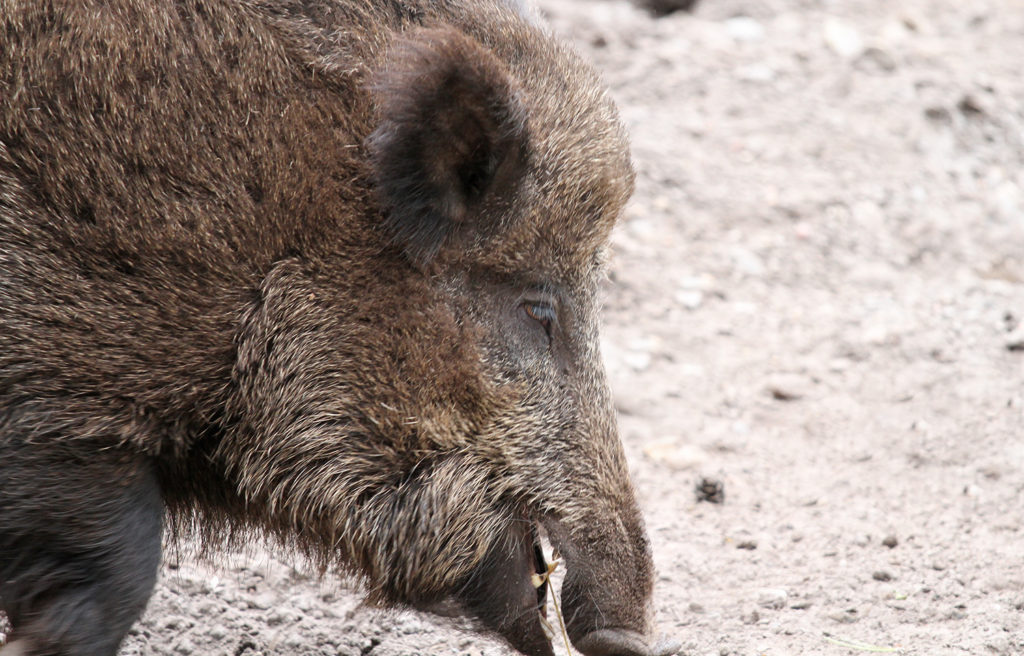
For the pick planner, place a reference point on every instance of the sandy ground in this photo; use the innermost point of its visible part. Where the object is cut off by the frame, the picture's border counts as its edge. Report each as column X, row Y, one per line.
column 816, row 301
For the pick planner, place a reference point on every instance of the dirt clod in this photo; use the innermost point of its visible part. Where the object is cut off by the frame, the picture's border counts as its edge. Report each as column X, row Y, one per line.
column 711, row 490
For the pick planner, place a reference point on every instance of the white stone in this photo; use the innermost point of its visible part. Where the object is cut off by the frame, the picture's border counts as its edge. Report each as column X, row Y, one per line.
column 843, row 39
column 744, row 28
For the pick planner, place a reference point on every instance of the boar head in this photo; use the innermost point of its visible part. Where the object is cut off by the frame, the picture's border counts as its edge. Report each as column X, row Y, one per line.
column 475, row 413
column 502, row 186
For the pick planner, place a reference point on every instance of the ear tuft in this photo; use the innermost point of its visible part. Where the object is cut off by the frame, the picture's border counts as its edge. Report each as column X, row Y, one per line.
column 451, row 134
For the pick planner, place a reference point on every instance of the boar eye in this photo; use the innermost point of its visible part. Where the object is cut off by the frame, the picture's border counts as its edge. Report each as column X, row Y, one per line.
column 541, row 313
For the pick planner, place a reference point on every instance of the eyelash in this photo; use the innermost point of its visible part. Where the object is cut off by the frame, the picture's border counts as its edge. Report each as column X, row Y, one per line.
column 542, row 314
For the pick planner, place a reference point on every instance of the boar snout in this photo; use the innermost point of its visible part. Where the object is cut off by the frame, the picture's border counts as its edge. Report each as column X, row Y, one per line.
column 623, row 642
column 607, row 586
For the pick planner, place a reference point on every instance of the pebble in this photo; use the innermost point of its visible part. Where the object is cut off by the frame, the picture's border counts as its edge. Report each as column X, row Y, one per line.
column 878, row 59
column 691, row 299
column 890, row 541
column 263, row 601
column 744, row 28
column 843, row 39
column 882, row 575
column 748, row 545
column 175, row 622
column 711, row 490
column 295, row 641
column 637, row 360
column 848, row 616
column 702, row 282
column 1015, row 340
column 747, row 262
column 787, row 387
column 772, row 598
column 675, row 455
column 756, row 73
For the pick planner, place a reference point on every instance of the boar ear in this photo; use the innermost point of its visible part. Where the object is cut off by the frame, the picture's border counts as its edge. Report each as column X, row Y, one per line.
column 452, row 135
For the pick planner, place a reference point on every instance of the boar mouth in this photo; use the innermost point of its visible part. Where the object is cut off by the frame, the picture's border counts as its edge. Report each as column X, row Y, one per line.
column 506, row 591
column 507, row 594
column 540, row 567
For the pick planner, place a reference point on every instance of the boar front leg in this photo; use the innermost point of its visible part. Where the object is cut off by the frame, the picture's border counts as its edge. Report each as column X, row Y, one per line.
column 80, row 531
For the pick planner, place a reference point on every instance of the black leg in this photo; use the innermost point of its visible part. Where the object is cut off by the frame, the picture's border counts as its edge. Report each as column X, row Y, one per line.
column 80, row 533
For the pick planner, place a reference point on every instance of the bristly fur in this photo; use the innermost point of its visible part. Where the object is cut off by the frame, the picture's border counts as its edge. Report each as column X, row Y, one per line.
column 263, row 268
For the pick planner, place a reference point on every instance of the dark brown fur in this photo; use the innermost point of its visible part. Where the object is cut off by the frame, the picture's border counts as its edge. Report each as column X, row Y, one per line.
column 274, row 264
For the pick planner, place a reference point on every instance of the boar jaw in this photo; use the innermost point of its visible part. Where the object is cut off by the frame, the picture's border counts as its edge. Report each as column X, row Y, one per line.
column 500, row 592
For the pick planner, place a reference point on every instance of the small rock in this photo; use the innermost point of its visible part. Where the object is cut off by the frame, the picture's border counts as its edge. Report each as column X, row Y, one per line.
column 675, row 455
column 882, row 575
column 744, row 28
column 696, row 608
column 637, row 360
column 248, row 648
column 666, row 7
column 843, row 39
column 703, row 282
column 772, row 598
column 753, row 617
column 749, row 545
column 691, row 299
column 263, row 601
column 747, row 263
column 756, row 73
column 803, row 604
column 890, row 541
column 711, row 490
column 787, row 387
column 175, row 623
column 878, row 59
column 938, row 114
column 970, row 106
column 848, row 616
column 1015, row 340
column 295, row 641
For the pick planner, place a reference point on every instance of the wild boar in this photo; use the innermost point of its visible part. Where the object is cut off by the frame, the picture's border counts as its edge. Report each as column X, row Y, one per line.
column 322, row 271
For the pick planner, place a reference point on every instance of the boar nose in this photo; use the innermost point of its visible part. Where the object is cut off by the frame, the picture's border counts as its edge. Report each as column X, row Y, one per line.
column 623, row 642
column 607, row 587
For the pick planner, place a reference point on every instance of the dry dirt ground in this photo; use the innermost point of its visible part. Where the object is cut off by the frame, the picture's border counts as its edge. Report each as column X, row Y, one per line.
column 816, row 300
